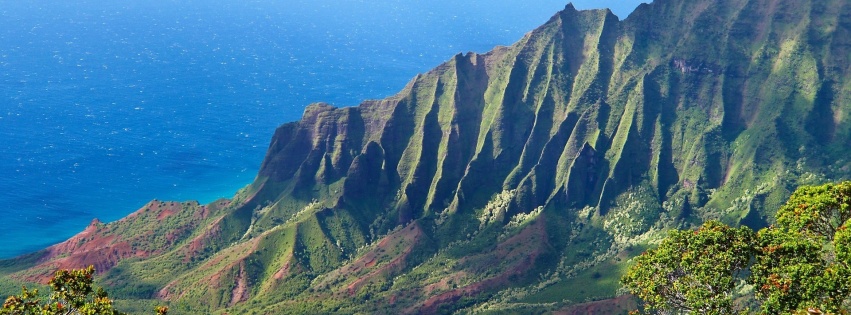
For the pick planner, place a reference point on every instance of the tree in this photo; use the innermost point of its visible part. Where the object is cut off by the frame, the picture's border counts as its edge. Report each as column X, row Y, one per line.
column 802, row 264
column 693, row 271
column 817, row 211
column 72, row 295
column 804, row 261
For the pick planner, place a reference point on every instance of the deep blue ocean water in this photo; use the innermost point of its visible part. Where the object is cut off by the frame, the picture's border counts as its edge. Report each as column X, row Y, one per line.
column 105, row 105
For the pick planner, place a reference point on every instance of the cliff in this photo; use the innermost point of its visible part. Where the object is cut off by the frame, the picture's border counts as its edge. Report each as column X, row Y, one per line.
column 528, row 175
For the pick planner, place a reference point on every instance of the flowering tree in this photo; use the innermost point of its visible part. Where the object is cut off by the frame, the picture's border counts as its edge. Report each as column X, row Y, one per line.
column 803, row 264
column 693, row 271
column 72, row 295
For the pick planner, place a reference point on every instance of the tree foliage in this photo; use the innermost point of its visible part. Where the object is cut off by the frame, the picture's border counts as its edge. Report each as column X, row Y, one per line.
column 817, row 211
column 73, row 294
column 803, row 263
column 693, row 271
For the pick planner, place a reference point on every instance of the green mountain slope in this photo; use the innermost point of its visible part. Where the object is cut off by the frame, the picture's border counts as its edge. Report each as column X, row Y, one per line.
column 524, row 177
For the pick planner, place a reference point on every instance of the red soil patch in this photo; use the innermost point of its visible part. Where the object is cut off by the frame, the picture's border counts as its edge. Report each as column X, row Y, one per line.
column 88, row 248
column 281, row 273
column 431, row 305
column 408, row 236
column 215, row 280
column 104, row 246
column 371, row 263
column 205, row 210
column 364, row 268
column 165, row 213
column 240, row 291
column 198, row 243
column 522, row 249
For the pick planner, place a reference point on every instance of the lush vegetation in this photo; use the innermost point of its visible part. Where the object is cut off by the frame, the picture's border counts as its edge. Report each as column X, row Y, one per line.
column 525, row 178
column 72, row 294
column 801, row 264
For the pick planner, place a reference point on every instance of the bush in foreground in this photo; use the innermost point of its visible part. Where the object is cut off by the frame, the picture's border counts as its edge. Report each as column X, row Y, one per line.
column 72, row 294
column 800, row 266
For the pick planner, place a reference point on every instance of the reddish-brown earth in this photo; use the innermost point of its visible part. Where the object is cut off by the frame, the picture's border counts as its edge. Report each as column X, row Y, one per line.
column 103, row 246
column 520, row 251
column 407, row 237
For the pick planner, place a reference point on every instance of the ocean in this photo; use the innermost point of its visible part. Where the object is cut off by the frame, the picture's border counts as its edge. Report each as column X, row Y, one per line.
column 106, row 105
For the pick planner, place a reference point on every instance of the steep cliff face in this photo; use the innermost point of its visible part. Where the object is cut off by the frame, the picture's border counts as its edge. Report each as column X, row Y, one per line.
column 527, row 176
column 684, row 102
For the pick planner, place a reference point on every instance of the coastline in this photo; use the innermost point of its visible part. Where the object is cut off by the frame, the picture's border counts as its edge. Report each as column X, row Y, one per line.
column 17, row 242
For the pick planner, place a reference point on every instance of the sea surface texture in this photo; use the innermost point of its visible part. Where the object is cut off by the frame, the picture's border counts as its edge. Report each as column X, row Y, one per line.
column 105, row 105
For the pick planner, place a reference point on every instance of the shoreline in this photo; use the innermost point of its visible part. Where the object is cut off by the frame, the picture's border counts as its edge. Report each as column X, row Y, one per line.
column 29, row 244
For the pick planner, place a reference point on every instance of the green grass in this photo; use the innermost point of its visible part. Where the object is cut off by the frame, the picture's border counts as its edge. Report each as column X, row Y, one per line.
column 596, row 283
column 9, row 286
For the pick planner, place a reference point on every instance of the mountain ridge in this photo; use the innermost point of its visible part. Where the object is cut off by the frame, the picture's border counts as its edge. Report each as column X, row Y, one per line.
column 525, row 176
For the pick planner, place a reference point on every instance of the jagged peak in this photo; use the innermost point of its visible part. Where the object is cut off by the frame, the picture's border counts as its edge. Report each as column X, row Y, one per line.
column 570, row 15
column 640, row 10
column 569, row 7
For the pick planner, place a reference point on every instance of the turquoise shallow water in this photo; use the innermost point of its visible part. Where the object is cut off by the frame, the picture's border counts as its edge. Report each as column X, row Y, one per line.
column 105, row 105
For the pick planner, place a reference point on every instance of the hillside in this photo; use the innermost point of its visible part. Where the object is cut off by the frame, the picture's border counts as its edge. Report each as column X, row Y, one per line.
column 524, row 177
